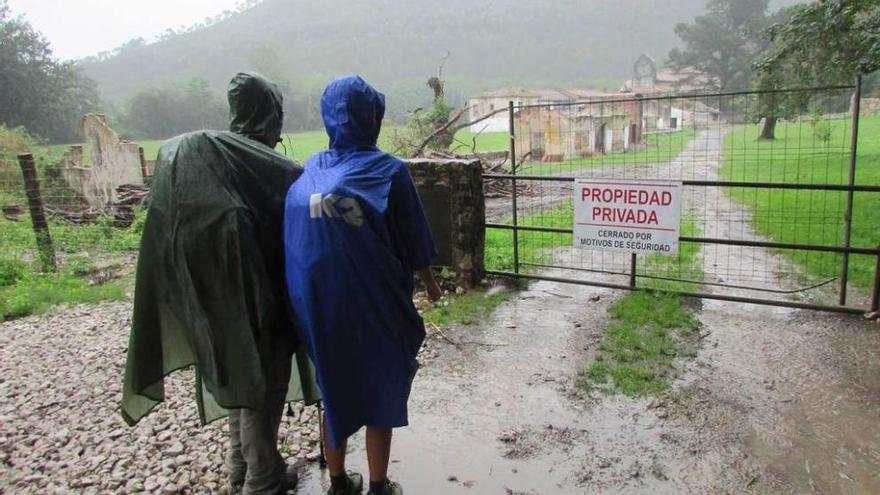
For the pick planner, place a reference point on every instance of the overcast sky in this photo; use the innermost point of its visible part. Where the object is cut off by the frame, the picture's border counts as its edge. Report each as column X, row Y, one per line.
column 79, row 28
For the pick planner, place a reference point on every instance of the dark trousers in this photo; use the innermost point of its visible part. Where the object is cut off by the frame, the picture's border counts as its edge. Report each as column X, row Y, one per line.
column 253, row 460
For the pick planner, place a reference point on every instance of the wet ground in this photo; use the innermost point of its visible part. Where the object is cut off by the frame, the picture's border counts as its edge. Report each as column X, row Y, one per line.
column 777, row 400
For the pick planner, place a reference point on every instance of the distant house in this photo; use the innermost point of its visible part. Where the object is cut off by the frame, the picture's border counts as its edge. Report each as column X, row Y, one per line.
column 498, row 101
column 604, row 124
column 654, row 114
column 648, row 80
column 670, row 114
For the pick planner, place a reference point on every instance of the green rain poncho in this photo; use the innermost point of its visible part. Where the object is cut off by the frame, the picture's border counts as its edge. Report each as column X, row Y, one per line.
column 210, row 288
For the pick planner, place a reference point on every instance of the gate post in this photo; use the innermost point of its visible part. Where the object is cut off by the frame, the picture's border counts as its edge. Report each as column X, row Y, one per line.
column 875, row 295
column 513, row 187
column 847, row 228
column 38, row 215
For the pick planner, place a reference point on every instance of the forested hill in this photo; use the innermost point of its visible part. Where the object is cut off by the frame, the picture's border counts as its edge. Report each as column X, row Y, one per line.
column 389, row 41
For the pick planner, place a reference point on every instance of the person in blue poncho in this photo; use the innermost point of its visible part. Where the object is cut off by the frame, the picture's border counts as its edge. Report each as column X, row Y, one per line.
column 354, row 234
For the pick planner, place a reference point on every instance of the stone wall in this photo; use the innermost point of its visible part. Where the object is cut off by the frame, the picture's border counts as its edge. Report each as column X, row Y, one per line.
column 113, row 162
column 452, row 194
column 77, row 176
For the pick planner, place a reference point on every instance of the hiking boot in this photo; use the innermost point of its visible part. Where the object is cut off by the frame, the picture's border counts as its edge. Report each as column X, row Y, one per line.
column 291, row 478
column 354, row 486
column 390, row 488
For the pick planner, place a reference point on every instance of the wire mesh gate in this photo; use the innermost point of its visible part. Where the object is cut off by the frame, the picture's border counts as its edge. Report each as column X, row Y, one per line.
column 775, row 210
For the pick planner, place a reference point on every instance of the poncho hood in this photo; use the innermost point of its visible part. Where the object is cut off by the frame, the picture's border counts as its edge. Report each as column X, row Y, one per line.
column 255, row 108
column 352, row 111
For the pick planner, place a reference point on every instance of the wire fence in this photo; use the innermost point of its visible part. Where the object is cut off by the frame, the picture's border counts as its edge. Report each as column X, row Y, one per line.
column 56, row 244
column 776, row 210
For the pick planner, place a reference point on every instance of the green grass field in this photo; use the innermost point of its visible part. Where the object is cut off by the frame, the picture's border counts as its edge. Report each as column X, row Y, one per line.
column 301, row 145
column 814, row 217
column 660, row 148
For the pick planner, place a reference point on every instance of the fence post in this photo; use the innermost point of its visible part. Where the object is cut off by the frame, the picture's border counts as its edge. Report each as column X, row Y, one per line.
column 513, row 188
column 38, row 215
column 632, row 271
column 875, row 295
column 143, row 163
column 847, row 227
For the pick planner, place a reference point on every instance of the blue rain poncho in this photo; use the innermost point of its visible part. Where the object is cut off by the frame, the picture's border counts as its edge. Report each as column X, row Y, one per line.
column 354, row 232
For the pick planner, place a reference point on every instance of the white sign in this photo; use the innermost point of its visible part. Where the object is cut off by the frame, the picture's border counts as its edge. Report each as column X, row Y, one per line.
column 630, row 216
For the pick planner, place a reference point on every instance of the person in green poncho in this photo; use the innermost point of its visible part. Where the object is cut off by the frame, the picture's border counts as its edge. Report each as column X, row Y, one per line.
column 210, row 288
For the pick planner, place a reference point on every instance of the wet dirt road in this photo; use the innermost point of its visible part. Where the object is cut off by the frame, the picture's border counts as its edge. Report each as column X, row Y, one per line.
column 777, row 400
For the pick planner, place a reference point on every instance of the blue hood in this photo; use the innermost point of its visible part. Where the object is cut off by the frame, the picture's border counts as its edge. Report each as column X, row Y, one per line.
column 352, row 111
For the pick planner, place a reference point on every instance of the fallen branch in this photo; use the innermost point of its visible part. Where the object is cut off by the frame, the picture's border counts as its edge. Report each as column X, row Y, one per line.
column 442, row 129
column 448, row 126
column 443, row 334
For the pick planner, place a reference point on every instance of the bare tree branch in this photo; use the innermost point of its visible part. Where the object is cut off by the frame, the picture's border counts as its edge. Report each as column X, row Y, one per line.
column 457, row 115
column 453, row 129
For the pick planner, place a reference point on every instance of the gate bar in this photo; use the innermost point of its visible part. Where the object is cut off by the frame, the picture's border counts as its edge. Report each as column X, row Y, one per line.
column 513, row 186
column 710, row 183
column 712, row 240
column 699, row 295
column 853, row 150
column 691, row 95
column 687, row 280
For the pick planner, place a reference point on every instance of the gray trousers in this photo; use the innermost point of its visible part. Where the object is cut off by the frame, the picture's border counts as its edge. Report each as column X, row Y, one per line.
column 253, row 460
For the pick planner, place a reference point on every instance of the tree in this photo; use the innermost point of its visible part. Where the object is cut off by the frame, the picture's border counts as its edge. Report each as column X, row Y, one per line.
column 46, row 96
column 827, row 42
column 164, row 112
column 723, row 43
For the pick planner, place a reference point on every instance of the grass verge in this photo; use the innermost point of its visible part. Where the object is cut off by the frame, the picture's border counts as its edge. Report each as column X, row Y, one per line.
column 649, row 331
column 25, row 290
column 37, row 293
column 467, row 309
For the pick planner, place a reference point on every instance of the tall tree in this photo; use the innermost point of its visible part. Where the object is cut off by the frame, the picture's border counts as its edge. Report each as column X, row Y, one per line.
column 826, row 42
column 724, row 42
column 40, row 93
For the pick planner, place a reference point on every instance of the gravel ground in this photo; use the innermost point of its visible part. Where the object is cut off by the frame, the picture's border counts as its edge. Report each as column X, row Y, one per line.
column 60, row 429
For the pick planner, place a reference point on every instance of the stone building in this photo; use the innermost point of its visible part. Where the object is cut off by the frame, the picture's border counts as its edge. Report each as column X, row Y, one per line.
column 604, row 124
column 485, row 104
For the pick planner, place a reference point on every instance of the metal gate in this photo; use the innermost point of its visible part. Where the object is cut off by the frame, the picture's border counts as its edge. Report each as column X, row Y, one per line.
column 789, row 221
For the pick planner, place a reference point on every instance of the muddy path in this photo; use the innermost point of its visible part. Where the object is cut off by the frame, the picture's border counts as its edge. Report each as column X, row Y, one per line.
column 502, row 413
column 777, row 400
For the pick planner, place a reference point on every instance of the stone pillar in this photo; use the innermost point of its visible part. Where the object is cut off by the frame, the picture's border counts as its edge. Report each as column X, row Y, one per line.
column 452, row 194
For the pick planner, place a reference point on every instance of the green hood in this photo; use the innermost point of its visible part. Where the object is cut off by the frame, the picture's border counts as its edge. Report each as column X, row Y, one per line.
column 255, row 108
